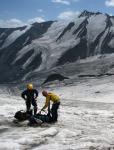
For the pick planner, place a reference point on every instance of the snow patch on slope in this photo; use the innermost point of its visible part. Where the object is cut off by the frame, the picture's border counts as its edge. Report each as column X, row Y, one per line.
column 46, row 44
column 96, row 25
column 13, row 36
column 1, row 35
column 69, row 34
column 111, row 43
column 27, row 39
column 99, row 46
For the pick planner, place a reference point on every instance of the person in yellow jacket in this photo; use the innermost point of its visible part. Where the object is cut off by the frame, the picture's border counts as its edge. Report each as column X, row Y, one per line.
column 56, row 102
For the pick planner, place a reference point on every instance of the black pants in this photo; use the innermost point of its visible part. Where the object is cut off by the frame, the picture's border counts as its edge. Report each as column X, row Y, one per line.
column 54, row 111
column 28, row 105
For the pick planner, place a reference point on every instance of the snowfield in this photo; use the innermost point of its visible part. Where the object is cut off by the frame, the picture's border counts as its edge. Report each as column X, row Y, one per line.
column 86, row 119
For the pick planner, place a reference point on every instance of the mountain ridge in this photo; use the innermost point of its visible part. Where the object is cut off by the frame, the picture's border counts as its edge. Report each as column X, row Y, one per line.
column 43, row 46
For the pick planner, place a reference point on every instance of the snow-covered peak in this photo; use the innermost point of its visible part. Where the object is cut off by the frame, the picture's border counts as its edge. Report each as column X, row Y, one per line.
column 47, row 45
column 86, row 13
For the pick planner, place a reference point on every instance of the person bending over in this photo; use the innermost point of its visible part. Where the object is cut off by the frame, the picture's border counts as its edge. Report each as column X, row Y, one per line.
column 56, row 102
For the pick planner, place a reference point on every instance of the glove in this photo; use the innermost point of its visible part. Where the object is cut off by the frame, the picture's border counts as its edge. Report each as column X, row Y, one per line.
column 39, row 112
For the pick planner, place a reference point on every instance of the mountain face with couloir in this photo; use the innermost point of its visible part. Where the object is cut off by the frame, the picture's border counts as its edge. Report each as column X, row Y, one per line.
column 36, row 50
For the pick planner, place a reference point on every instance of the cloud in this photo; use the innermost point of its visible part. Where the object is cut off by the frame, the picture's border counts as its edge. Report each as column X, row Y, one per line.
column 109, row 3
column 66, row 2
column 37, row 19
column 13, row 23
column 68, row 15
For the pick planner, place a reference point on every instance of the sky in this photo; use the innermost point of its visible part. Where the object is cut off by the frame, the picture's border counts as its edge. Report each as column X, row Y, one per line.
column 20, row 12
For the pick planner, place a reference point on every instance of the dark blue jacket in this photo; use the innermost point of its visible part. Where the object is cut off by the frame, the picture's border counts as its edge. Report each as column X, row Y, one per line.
column 29, row 95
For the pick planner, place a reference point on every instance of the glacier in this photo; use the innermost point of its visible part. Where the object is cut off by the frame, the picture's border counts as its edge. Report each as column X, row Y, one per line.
column 86, row 119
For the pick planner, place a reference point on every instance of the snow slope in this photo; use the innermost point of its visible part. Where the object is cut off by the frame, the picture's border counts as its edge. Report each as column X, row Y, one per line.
column 13, row 36
column 84, row 121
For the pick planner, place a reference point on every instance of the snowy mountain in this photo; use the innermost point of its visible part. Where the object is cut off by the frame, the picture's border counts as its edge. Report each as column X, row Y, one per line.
column 80, row 55
column 40, row 49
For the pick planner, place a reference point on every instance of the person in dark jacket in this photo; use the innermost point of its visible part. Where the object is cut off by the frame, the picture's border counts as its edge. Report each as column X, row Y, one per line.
column 30, row 95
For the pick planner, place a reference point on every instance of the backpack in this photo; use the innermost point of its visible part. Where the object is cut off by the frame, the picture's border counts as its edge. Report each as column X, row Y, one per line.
column 22, row 116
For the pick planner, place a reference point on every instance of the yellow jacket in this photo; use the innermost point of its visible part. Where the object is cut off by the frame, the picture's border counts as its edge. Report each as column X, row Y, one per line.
column 51, row 97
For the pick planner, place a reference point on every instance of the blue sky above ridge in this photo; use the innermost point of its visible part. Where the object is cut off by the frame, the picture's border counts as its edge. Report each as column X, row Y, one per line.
column 19, row 12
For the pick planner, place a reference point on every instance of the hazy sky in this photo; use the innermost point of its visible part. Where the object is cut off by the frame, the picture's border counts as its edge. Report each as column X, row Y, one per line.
column 19, row 12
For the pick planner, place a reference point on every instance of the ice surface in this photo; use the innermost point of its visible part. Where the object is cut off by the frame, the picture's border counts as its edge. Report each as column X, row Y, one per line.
column 86, row 119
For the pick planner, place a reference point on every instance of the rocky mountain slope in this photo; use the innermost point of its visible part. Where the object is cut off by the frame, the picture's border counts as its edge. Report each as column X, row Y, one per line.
column 42, row 48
